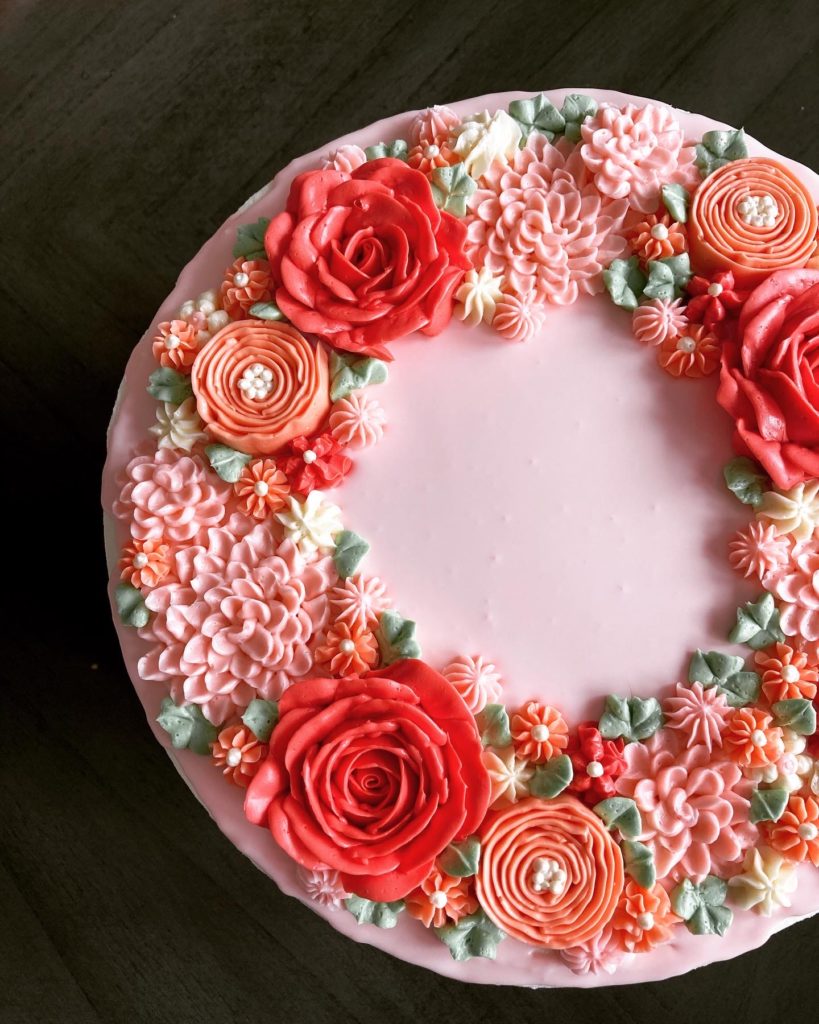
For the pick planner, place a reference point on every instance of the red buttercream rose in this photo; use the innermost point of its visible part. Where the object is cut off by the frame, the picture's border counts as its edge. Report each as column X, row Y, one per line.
column 364, row 258
column 769, row 381
column 372, row 776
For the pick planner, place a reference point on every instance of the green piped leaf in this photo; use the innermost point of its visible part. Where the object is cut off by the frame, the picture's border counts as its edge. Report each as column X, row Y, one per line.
column 347, row 373
column 668, row 277
column 226, row 462
column 537, row 114
column 348, row 553
column 767, row 805
column 625, row 282
column 639, row 863
column 382, row 915
column 266, row 311
column 550, row 779
column 397, row 150
column 396, row 638
column 633, row 718
column 702, row 906
column 249, row 243
column 474, row 935
column 461, row 860
column 720, row 148
column 797, row 714
column 451, row 189
column 493, row 725
column 261, row 717
column 726, row 672
column 676, row 200
column 187, row 726
column 757, row 624
column 131, row 605
column 746, row 481
column 621, row 813
column 167, row 385
column 577, row 107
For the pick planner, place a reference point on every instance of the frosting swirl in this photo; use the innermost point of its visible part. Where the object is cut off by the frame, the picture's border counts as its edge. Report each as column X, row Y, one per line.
column 260, row 419
column 723, row 237
column 562, row 832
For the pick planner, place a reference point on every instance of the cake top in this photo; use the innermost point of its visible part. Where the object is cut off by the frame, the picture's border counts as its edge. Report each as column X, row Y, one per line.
column 536, row 778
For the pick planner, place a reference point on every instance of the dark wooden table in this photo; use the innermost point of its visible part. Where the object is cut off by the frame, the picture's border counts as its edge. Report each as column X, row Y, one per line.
column 129, row 132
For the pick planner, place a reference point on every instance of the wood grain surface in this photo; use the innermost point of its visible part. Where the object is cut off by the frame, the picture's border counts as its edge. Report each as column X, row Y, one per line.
column 129, row 131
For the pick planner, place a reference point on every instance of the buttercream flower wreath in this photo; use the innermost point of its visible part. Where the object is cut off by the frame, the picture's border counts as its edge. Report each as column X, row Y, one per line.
column 395, row 786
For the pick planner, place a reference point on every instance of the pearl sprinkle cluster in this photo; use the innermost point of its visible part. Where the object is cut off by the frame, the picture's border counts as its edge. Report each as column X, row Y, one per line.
column 256, row 381
column 548, row 876
column 759, row 211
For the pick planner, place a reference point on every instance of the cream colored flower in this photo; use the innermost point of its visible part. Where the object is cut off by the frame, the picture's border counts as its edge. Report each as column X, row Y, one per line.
column 795, row 511
column 486, row 139
column 793, row 769
column 178, row 426
column 765, row 883
column 313, row 524
column 508, row 775
column 479, row 295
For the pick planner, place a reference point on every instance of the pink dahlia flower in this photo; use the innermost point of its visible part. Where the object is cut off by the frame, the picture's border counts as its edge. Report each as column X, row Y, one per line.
column 797, row 588
column 240, row 621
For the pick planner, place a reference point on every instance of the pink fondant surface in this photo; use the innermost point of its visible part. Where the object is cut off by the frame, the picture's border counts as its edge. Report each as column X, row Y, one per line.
column 556, row 506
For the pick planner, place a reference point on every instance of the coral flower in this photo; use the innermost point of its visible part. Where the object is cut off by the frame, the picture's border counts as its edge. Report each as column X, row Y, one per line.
column 427, row 156
column 643, row 918
column 246, row 283
column 751, row 739
column 597, row 764
column 656, row 238
column 261, row 489
column 796, row 834
column 538, row 732
column 786, row 674
column 238, row 753
column 693, row 354
column 348, row 650
column 176, row 344
column 145, row 563
column 441, row 899
column 317, row 462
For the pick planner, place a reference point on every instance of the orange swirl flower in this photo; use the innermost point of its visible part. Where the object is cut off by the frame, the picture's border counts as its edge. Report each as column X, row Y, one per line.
column 258, row 385
column 786, row 674
column 350, row 649
column 441, row 899
column 751, row 740
column 538, row 732
column 643, row 918
column 796, row 834
column 261, row 489
column 656, row 238
column 550, row 873
column 751, row 217
column 176, row 344
column 693, row 354
column 145, row 563
column 246, row 283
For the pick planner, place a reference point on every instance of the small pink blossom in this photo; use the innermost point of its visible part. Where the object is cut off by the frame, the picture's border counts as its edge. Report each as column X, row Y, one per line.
column 476, row 680
column 603, row 953
column 359, row 599
column 698, row 714
column 797, row 588
column 658, row 320
column 757, row 551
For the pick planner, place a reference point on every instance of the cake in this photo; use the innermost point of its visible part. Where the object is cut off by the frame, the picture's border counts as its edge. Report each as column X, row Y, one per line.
column 461, row 507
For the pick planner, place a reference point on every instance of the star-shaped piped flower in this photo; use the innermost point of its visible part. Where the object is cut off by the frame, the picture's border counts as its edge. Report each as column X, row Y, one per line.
column 597, row 764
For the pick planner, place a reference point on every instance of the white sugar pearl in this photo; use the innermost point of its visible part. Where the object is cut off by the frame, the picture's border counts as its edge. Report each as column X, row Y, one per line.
column 241, row 280
column 206, row 306
column 540, row 864
column 309, row 456
column 234, row 757
column 173, row 341
column 346, row 647
column 245, row 384
column 140, row 560
column 686, row 344
column 540, row 733
column 660, row 232
column 808, row 831
column 438, row 899
column 645, row 921
column 715, row 289
column 257, row 369
column 267, row 375
column 260, row 488
column 217, row 320
column 594, row 769
column 758, row 738
column 431, row 151
column 790, row 674
column 187, row 309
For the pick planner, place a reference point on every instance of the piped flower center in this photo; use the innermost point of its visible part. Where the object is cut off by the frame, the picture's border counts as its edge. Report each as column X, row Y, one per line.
column 645, row 921
column 241, row 280
column 234, row 757
column 808, row 832
column 758, row 738
column 140, row 560
column 594, row 769
column 548, row 876
column 790, row 674
column 172, row 341
column 686, row 344
column 256, row 382
column 759, row 211
column 438, row 899
column 346, row 647
column 715, row 289
column 660, row 232
column 260, row 488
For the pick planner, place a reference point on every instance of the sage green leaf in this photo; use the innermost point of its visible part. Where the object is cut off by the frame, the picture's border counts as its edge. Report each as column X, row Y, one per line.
column 639, row 863
column 757, row 624
column 676, row 200
column 668, row 277
column 767, row 805
column 710, row 921
column 550, row 779
column 493, row 725
column 166, row 385
column 726, row 672
column 396, row 638
column 625, row 282
column 397, row 150
column 226, row 462
column 461, row 860
column 633, row 718
column 249, row 243
column 745, row 480
column 187, row 726
column 797, row 714
column 131, row 605
column 348, row 373
column 702, row 906
column 266, row 311
column 451, row 189
column 719, row 148
column 474, row 935
column 261, row 717
column 621, row 813
column 537, row 114
column 576, row 108
column 348, row 552
column 382, row 915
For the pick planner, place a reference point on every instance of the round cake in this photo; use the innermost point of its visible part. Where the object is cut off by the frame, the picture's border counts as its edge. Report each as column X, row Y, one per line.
column 461, row 507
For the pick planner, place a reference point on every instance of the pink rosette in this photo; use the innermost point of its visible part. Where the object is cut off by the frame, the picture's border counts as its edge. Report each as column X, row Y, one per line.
column 345, row 158
column 477, row 681
column 517, row 319
column 432, row 126
column 659, row 321
column 357, row 421
column 797, row 589
column 602, row 952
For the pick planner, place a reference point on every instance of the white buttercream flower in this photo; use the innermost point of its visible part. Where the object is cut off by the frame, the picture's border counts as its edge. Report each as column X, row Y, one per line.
column 178, row 426
column 793, row 769
column 508, row 775
column 479, row 294
column 313, row 524
column 485, row 139
column 795, row 511
column 765, row 883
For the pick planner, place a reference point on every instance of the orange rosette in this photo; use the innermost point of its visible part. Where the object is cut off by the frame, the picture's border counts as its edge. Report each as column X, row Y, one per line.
column 729, row 229
column 585, row 864
column 258, row 385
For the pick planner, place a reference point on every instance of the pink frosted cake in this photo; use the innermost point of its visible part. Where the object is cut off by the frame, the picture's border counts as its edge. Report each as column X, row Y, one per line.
column 461, row 509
